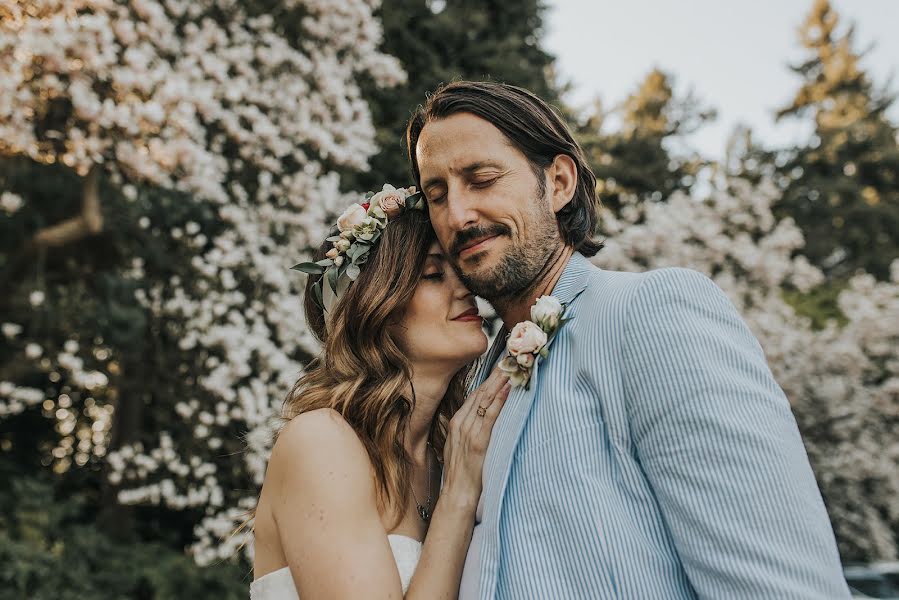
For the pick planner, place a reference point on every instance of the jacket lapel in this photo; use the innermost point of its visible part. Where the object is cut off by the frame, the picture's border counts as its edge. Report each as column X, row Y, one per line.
column 510, row 424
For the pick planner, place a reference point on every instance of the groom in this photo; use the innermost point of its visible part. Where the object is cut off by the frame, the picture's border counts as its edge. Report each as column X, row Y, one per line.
column 653, row 455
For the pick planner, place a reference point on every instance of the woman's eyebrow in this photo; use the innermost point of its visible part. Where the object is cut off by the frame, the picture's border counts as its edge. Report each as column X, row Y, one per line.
column 431, row 183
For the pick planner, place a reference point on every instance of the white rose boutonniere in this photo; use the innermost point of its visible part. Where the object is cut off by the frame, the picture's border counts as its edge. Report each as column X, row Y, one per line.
column 547, row 312
column 526, row 338
column 530, row 339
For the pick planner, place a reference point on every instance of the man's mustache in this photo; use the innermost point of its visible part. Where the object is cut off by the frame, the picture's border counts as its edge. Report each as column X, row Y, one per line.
column 467, row 236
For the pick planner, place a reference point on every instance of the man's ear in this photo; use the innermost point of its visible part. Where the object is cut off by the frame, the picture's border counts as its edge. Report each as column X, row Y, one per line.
column 562, row 174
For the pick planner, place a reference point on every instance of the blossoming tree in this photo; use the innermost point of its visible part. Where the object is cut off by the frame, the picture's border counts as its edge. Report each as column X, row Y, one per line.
column 204, row 135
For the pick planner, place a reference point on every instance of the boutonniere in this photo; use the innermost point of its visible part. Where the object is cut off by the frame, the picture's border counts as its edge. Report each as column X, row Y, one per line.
column 530, row 339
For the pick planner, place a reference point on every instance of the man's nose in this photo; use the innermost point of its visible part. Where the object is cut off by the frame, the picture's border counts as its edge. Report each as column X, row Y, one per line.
column 461, row 209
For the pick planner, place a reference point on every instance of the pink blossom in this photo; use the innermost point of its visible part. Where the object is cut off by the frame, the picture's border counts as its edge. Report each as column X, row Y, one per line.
column 526, row 338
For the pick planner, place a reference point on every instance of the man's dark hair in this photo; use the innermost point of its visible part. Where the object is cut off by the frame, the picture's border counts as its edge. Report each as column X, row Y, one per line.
column 532, row 126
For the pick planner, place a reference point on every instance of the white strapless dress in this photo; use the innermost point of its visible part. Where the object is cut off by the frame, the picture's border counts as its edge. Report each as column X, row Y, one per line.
column 278, row 585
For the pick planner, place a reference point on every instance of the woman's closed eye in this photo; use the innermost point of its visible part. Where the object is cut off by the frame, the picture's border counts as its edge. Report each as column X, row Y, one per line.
column 435, row 276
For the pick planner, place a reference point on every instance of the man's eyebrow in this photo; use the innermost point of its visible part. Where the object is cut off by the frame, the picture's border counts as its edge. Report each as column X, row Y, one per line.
column 481, row 164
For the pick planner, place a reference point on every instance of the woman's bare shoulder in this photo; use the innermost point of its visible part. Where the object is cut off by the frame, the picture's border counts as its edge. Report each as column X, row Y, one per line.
column 319, row 452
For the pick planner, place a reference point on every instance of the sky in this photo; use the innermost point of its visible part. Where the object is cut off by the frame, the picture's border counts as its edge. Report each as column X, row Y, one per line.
column 733, row 55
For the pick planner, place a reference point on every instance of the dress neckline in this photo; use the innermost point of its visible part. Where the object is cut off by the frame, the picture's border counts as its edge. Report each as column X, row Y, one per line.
column 405, row 537
column 389, row 536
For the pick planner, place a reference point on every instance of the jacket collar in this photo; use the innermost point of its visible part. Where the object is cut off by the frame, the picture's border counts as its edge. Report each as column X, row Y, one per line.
column 571, row 283
column 574, row 278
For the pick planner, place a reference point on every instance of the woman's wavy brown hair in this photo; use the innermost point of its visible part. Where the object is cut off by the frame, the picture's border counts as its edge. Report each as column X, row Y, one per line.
column 362, row 371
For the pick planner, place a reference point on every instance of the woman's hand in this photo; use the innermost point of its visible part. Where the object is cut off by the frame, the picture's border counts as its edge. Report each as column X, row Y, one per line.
column 468, row 438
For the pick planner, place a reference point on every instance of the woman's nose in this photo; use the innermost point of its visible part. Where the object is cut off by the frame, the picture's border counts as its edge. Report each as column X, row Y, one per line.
column 459, row 290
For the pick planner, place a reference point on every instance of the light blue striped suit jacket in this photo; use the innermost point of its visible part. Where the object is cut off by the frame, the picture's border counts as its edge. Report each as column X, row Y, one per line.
column 653, row 457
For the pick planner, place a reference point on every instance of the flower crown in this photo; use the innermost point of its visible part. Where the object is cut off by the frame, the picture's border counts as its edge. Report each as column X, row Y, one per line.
column 356, row 233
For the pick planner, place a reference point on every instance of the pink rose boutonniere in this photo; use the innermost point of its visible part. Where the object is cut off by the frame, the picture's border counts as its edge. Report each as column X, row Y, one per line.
column 530, row 339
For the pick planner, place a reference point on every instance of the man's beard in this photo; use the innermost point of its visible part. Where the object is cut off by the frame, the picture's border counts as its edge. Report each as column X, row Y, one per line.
column 521, row 264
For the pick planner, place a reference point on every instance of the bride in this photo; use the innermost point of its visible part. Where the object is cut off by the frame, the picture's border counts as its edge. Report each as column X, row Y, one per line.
column 373, row 481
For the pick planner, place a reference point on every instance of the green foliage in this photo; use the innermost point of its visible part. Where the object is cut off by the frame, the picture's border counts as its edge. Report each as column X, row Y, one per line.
column 818, row 304
column 842, row 187
column 465, row 39
column 90, row 291
column 48, row 553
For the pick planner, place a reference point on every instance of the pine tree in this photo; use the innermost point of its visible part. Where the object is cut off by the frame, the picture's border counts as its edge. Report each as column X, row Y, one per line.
column 842, row 188
column 635, row 164
column 438, row 42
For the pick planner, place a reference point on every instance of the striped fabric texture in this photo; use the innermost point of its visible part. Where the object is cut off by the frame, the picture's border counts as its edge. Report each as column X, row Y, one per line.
column 653, row 457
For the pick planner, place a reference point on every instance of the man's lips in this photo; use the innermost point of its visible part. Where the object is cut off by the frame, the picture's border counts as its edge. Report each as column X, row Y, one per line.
column 475, row 245
column 469, row 315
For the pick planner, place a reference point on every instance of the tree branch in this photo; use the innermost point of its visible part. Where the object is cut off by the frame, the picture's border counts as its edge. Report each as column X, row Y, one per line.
column 89, row 222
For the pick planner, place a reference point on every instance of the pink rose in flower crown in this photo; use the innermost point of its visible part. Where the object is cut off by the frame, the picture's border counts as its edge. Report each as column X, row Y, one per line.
column 389, row 202
column 393, row 205
column 526, row 338
column 351, row 217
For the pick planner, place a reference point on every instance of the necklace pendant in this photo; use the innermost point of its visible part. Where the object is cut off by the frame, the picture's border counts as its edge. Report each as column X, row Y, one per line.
column 424, row 513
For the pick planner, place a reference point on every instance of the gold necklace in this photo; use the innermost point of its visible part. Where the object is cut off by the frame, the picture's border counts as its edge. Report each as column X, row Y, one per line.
column 425, row 511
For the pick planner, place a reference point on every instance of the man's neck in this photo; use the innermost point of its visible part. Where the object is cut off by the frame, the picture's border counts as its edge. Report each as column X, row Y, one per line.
column 516, row 309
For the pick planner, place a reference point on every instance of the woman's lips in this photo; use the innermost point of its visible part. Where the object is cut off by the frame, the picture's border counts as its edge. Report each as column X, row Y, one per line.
column 469, row 315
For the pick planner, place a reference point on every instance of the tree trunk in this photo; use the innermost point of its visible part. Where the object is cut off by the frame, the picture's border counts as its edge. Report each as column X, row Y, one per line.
column 89, row 222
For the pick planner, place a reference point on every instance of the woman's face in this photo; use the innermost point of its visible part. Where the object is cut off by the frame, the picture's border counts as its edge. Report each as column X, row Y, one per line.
column 441, row 327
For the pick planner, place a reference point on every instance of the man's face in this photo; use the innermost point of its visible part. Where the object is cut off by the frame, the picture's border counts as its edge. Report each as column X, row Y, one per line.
column 489, row 209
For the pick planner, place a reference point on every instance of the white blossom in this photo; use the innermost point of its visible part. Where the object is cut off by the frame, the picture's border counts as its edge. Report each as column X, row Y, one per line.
column 10, row 330
column 36, row 298
column 10, row 203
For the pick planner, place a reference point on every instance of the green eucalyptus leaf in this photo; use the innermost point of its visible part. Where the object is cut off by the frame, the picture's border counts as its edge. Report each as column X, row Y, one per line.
column 317, row 290
column 334, row 238
column 361, row 253
column 353, row 272
column 332, row 279
column 327, row 262
column 415, row 201
column 308, row 267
